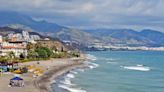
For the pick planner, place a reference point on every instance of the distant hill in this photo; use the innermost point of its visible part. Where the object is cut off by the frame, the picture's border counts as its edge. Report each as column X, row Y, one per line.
column 8, row 18
column 46, row 28
column 127, row 37
column 153, row 35
column 4, row 31
column 130, row 37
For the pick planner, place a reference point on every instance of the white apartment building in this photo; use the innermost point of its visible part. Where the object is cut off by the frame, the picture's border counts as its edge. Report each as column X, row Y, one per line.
column 1, row 39
column 35, row 37
column 17, row 47
column 26, row 35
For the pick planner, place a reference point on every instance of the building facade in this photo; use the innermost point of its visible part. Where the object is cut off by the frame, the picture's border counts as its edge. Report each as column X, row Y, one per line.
column 17, row 48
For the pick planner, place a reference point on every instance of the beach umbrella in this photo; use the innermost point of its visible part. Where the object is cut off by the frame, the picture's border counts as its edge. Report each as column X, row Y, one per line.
column 16, row 78
column 18, row 71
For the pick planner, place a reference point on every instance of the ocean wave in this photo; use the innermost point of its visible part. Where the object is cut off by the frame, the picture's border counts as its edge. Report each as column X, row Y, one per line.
column 137, row 68
column 67, row 81
column 80, row 70
column 92, row 65
column 91, row 57
column 109, row 59
column 71, row 89
column 70, row 75
column 74, row 72
column 112, row 62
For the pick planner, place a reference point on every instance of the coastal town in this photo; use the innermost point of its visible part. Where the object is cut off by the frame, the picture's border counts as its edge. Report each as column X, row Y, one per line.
column 25, row 58
column 16, row 43
column 121, row 47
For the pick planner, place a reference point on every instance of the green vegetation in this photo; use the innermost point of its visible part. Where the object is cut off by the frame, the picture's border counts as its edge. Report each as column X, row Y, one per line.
column 32, row 54
column 75, row 54
column 36, row 53
column 44, row 52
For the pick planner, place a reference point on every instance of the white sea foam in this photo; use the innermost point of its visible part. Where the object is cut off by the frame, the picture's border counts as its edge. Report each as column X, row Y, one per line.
column 80, row 70
column 66, row 81
column 92, row 65
column 110, row 59
column 91, row 57
column 70, row 75
column 71, row 89
column 74, row 72
column 137, row 67
column 112, row 62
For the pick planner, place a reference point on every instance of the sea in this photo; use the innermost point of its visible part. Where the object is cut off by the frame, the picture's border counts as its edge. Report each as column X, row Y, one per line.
column 116, row 71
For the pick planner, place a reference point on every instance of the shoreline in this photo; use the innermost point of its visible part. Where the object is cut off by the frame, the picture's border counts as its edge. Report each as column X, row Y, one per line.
column 53, row 68
column 44, row 82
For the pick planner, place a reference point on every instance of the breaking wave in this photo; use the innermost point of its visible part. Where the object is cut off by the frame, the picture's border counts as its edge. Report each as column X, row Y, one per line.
column 137, row 68
column 91, row 57
column 68, row 85
column 71, row 89
column 109, row 62
column 91, row 65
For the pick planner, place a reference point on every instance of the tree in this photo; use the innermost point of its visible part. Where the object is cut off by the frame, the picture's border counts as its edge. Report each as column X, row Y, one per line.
column 22, row 56
column 48, row 51
column 32, row 54
column 11, row 55
column 42, row 53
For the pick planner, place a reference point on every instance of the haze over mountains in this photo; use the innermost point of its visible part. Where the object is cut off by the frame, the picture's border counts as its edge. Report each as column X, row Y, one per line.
column 125, row 37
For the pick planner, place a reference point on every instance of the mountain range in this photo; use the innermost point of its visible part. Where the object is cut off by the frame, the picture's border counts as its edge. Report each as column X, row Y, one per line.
column 126, row 37
column 130, row 37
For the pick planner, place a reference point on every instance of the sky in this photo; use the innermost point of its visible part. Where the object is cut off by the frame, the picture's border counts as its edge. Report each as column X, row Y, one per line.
column 136, row 14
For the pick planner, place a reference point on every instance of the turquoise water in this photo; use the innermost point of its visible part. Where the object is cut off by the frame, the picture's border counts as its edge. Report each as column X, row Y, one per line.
column 123, row 71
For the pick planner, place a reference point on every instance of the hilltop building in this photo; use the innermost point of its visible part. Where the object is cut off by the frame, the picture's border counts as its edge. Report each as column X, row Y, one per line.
column 16, row 37
column 35, row 37
column 26, row 35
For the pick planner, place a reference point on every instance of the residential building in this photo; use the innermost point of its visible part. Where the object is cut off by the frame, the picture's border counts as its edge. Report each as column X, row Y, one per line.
column 1, row 39
column 18, row 47
column 26, row 35
column 35, row 37
column 16, row 37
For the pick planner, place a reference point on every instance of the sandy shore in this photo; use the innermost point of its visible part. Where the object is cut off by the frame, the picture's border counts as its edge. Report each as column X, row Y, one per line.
column 54, row 68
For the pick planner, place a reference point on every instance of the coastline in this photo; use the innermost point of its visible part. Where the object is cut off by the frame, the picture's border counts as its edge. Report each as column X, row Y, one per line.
column 43, row 83
column 53, row 69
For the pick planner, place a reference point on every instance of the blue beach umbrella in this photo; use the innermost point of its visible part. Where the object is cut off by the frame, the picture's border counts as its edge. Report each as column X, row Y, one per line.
column 16, row 78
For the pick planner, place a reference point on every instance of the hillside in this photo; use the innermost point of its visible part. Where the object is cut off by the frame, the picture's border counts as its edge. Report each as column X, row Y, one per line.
column 46, row 28
column 53, row 43
column 127, row 37
column 4, row 31
column 130, row 37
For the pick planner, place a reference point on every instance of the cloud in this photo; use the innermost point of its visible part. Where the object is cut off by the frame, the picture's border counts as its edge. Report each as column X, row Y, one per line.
column 93, row 13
